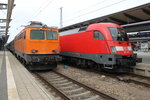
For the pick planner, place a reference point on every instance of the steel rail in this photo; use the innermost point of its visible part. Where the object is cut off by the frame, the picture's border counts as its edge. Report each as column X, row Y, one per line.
column 138, row 82
column 65, row 97
column 88, row 88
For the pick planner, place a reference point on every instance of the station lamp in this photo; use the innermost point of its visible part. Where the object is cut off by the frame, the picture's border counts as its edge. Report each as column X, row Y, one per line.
column 3, row 6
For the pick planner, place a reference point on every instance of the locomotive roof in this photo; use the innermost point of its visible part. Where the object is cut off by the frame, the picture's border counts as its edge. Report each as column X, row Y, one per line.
column 41, row 26
column 38, row 24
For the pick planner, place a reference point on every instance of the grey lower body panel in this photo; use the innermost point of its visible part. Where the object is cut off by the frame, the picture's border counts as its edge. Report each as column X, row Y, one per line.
column 39, row 61
column 105, row 59
column 39, row 58
column 98, row 58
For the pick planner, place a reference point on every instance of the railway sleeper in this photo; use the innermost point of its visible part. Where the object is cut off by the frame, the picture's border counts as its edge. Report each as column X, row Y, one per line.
column 55, row 77
column 96, row 97
column 80, row 94
column 74, row 90
column 64, row 84
column 69, row 87
column 51, row 77
column 59, row 81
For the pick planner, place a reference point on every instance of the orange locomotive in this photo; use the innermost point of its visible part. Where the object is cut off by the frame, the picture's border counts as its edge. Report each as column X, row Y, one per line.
column 38, row 44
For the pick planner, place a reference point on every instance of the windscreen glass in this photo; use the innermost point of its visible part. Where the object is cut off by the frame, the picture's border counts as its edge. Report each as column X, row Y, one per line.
column 118, row 34
column 37, row 34
column 51, row 35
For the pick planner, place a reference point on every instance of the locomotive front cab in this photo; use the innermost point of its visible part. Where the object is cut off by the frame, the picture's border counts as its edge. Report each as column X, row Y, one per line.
column 120, row 42
column 120, row 47
column 115, row 51
column 43, row 41
column 42, row 46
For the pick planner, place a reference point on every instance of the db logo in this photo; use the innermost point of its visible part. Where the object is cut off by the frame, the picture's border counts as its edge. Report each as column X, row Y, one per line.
column 125, row 49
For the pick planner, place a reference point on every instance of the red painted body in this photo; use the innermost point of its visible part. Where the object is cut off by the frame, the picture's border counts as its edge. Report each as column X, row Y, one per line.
column 85, row 43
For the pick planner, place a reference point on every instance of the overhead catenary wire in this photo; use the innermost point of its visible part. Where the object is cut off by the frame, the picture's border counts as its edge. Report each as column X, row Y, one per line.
column 93, row 11
column 37, row 12
column 101, row 2
column 43, row 8
column 103, row 7
column 40, row 9
column 93, row 5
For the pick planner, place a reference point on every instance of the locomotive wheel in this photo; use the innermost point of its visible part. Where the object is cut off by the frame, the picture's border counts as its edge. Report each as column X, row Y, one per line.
column 23, row 61
column 98, row 67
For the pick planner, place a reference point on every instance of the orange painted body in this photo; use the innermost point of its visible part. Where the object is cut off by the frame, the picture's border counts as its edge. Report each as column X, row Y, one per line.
column 43, row 46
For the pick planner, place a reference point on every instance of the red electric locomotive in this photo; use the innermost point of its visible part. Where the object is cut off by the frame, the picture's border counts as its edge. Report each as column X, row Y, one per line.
column 101, row 46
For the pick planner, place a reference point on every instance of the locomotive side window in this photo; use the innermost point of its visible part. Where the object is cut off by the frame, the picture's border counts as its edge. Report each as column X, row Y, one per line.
column 51, row 35
column 82, row 29
column 118, row 34
column 98, row 35
column 24, row 35
column 37, row 34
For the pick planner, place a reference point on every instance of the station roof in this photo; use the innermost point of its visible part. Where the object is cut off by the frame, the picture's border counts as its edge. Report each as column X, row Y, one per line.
column 139, row 39
column 129, row 16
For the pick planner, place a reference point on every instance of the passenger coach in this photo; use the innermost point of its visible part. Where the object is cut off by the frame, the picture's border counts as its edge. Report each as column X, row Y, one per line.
column 99, row 46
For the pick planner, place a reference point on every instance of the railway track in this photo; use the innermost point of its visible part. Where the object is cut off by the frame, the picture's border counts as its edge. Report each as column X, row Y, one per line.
column 127, row 78
column 136, row 79
column 70, row 89
column 130, row 78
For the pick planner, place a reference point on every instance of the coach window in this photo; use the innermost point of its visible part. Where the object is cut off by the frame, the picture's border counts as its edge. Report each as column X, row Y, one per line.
column 98, row 35
column 51, row 35
column 37, row 34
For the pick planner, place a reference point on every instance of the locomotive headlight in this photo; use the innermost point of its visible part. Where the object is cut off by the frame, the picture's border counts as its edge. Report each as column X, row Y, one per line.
column 113, row 49
column 55, row 50
column 129, row 48
column 34, row 51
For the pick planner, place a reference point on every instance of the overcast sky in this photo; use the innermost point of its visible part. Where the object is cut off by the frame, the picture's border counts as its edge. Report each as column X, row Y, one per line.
column 74, row 11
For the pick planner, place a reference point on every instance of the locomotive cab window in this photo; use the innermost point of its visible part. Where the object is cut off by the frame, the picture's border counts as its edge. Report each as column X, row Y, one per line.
column 51, row 35
column 118, row 34
column 37, row 34
column 98, row 35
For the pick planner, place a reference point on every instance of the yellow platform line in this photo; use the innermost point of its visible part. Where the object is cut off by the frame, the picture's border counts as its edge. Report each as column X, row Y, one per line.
column 11, row 86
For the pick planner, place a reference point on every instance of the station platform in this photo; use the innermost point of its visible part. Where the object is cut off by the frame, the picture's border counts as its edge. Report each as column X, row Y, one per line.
column 141, row 69
column 17, row 83
column 144, row 67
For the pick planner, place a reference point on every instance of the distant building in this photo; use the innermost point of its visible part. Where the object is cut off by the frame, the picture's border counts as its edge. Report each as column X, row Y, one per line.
column 140, row 38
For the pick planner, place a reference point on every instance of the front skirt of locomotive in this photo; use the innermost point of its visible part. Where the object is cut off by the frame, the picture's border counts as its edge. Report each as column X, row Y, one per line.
column 122, row 63
column 42, row 61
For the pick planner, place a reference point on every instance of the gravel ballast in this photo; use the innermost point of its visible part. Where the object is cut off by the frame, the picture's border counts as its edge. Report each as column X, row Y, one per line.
column 111, row 86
